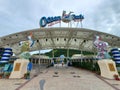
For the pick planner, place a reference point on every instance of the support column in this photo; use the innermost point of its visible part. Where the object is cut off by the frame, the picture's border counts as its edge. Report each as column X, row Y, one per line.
column 39, row 58
column 81, row 24
column 35, row 61
column 67, row 52
column 81, row 56
column 60, row 24
column 39, row 48
column 53, row 53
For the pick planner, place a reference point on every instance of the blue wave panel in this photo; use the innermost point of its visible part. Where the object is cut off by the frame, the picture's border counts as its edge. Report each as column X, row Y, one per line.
column 5, row 58
column 117, row 61
column 9, row 49
column 3, row 61
column 114, row 49
column 7, row 53
column 116, row 55
column 115, row 52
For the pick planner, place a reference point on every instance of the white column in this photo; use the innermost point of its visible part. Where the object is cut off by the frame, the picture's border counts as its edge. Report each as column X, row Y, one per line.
column 53, row 53
column 67, row 52
column 39, row 58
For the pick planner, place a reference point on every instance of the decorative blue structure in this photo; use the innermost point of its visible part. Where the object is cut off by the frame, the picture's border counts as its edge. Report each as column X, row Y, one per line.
column 29, row 67
column 5, row 54
column 8, row 67
column 116, row 55
column 62, row 58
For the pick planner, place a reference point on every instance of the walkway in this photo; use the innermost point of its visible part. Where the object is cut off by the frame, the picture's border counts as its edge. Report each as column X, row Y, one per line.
column 62, row 78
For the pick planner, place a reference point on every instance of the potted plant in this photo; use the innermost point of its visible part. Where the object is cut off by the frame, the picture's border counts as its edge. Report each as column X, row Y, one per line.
column 7, row 74
column 1, row 75
column 116, row 77
column 27, row 75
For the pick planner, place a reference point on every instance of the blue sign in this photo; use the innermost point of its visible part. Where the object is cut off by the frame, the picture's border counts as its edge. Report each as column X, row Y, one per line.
column 44, row 21
column 65, row 18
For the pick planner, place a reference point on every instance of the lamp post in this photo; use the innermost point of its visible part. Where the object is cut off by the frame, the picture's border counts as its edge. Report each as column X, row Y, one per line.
column 39, row 55
column 81, row 18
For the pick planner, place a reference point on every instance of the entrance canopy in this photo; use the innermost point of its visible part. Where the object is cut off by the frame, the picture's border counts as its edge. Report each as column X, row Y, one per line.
column 64, row 38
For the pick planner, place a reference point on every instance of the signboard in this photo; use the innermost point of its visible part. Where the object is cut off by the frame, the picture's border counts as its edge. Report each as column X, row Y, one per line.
column 17, row 67
column 57, row 19
column 111, row 66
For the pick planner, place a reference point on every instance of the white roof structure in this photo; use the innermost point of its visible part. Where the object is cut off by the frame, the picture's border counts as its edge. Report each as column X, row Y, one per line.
column 41, row 56
column 65, row 38
column 76, row 56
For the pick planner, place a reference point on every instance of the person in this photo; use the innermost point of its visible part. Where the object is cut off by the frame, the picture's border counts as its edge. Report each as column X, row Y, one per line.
column 62, row 63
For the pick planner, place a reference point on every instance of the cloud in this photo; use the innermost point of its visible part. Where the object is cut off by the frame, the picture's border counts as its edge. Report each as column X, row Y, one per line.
column 20, row 15
column 107, row 16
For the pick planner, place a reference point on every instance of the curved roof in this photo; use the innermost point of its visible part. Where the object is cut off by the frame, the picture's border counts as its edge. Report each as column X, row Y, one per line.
column 52, row 38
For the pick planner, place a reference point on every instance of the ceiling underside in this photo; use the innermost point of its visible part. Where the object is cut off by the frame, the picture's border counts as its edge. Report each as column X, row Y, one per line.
column 52, row 38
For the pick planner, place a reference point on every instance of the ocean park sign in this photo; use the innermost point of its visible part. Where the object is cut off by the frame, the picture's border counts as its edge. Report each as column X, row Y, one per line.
column 66, row 18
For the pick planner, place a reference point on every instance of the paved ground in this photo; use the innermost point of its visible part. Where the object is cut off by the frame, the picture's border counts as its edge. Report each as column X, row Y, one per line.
column 62, row 78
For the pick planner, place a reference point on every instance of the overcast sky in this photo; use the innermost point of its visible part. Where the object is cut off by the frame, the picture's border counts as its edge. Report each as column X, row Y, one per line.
column 20, row 15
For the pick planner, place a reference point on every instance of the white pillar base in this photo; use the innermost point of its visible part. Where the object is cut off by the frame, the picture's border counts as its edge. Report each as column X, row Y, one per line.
column 107, row 68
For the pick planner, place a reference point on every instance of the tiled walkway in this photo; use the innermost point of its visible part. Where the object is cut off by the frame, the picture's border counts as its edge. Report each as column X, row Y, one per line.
column 70, row 78
column 61, row 78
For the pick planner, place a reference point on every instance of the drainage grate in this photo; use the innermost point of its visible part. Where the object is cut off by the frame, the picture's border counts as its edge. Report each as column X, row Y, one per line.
column 72, row 72
column 55, row 76
column 41, row 72
column 55, row 72
column 35, row 75
column 18, row 83
column 76, row 76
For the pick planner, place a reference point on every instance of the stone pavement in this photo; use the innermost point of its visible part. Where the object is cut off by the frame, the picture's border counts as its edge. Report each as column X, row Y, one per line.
column 61, row 78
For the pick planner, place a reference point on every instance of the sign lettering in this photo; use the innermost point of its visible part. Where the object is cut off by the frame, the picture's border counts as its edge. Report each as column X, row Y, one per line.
column 57, row 19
